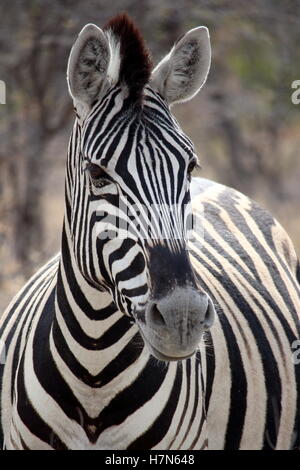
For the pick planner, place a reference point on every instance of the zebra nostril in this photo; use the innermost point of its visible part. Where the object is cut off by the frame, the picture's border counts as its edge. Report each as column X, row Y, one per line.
column 156, row 316
column 209, row 316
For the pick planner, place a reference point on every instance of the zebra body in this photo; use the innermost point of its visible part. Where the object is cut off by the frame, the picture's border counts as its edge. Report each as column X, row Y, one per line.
column 98, row 355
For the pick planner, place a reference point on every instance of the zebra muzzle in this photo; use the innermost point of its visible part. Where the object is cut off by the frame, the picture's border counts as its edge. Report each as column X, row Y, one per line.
column 174, row 324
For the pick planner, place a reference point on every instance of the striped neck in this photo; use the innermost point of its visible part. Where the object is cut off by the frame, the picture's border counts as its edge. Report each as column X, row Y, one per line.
column 89, row 332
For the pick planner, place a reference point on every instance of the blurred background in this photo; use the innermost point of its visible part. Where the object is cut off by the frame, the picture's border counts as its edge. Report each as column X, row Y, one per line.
column 244, row 125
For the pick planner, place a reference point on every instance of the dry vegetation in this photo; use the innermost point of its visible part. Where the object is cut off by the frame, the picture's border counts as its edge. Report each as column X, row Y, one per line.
column 243, row 123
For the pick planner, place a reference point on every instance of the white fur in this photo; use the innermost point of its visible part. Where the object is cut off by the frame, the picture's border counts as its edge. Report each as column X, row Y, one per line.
column 113, row 70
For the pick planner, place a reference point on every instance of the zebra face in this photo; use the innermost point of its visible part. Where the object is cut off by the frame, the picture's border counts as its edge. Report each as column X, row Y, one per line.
column 130, row 181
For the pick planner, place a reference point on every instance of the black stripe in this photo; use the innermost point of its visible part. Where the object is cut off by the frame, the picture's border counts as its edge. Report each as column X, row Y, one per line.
column 210, row 368
column 196, row 402
column 109, row 337
column 133, row 397
column 160, row 427
column 120, row 363
column 187, row 374
column 30, row 417
column 203, row 415
column 118, row 254
column 298, row 272
column 238, row 392
column 136, row 267
column 135, row 292
column 79, row 298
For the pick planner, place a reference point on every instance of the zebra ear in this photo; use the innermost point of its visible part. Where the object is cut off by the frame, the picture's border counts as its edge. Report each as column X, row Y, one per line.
column 87, row 68
column 181, row 73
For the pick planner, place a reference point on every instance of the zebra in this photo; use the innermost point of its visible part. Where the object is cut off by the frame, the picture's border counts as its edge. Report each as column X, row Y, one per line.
column 128, row 339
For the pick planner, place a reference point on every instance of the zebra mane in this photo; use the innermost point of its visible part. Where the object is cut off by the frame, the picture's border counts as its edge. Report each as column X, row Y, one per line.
column 130, row 59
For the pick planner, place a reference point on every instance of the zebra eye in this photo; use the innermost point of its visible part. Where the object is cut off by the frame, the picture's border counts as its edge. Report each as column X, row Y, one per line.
column 95, row 171
column 191, row 166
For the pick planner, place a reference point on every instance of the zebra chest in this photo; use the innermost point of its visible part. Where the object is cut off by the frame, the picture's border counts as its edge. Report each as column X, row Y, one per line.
column 128, row 414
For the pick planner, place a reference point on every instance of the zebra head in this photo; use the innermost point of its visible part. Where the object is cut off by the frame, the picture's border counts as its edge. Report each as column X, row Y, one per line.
column 128, row 180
